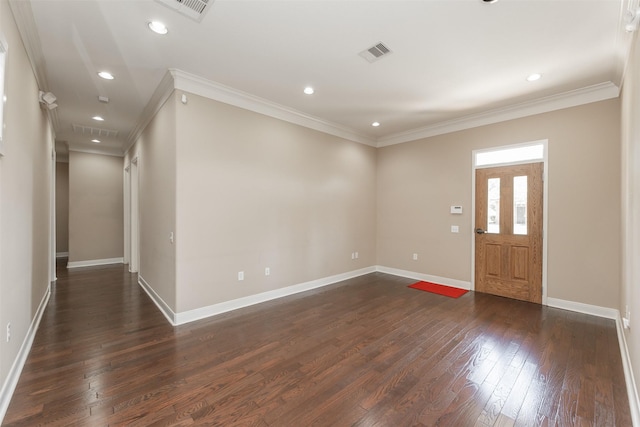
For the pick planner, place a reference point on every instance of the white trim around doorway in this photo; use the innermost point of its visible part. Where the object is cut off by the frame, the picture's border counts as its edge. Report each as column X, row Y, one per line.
column 545, row 202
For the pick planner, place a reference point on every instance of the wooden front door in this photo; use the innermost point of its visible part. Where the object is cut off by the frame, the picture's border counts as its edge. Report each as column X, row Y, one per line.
column 509, row 231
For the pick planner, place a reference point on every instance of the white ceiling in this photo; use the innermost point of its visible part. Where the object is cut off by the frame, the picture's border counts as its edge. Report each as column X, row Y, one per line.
column 451, row 60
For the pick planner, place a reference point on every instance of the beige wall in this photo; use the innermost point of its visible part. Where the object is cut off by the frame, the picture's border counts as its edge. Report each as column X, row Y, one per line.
column 156, row 154
column 256, row 192
column 25, row 198
column 62, row 207
column 418, row 181
column 630, row 297
column 96, row 229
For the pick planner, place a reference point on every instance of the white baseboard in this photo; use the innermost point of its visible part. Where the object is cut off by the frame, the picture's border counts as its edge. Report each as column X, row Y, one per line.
column 594, row 310
column 461, row 284
column 632, row 390
column 158, row 301
column 94, row 262
column 609, row 313
column 11, row 381
column 223, row 307
column 62, row 254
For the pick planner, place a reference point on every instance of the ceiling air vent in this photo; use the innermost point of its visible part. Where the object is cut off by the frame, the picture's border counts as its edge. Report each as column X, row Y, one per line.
column 194, row 9
column 375, row 52
column 87, row 130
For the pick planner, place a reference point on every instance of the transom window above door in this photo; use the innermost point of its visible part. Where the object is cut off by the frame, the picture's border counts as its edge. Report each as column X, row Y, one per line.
column 523, row 153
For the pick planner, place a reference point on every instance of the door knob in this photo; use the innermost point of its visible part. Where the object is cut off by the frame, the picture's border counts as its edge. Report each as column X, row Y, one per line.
column 479, row 231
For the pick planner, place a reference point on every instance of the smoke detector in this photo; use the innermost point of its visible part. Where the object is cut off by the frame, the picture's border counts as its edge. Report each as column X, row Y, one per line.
column 47, row 99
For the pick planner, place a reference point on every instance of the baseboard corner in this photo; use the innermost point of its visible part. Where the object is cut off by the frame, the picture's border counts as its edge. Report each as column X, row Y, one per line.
column 157, row 300
column 579, row 307
column 632, row 390
column 454, row 283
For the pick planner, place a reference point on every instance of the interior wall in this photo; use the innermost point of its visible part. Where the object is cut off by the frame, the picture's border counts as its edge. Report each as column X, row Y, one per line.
column 254, row 192
column 630, row 298
column 156, row 154
column 25, row 197
column 96, row 222
column 418, row 182
column 62, row 207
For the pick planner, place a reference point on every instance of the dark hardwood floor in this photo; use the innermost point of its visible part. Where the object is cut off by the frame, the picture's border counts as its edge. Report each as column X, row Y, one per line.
column 365, row 352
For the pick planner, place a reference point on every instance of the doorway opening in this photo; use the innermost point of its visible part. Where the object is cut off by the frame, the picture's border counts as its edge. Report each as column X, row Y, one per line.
column 134, row 218
column 127, row 214
column 509, row 219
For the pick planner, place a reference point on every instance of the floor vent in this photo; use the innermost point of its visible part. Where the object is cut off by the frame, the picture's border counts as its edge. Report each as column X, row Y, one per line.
column 194, row 9
column 88, row 130
column 375, row 52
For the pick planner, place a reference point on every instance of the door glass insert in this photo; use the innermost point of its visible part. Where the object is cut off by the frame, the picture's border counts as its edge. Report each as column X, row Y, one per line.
column 520, row 205
column 493, row 206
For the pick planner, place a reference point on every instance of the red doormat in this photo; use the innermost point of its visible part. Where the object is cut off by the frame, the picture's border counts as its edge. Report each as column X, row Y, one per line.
column 447, row 291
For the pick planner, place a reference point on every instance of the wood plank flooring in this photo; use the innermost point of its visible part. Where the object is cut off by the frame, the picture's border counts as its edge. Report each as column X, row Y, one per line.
column 364, row 352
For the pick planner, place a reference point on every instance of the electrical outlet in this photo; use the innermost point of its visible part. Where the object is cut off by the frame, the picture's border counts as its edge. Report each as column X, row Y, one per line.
column 240, row 275
column 267, row 271
column 415, row 257
column 8, row 332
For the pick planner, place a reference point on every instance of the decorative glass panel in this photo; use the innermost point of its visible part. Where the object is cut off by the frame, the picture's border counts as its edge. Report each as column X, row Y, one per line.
column 520, row 205
column 510, row 155
column 493, row 206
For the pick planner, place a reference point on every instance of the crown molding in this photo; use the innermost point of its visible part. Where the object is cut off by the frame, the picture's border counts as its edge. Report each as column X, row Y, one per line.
column 160, row 95
column 586, row 95
column 178, row 79
column 23, row 16
column 228, row 95
column 624, row 42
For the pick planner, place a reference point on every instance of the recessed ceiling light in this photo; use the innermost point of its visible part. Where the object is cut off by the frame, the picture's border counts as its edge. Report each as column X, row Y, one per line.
column 97, row 141
column 375, row 124
column 98, row 118
column 489, row 1
column 158, row 27
column 308, row 90
column 106, row 75
column 533, row 77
